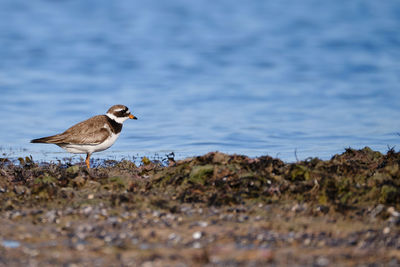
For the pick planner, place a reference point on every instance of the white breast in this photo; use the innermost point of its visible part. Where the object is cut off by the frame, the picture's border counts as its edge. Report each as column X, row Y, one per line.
column 79, row 149
column 107, row 143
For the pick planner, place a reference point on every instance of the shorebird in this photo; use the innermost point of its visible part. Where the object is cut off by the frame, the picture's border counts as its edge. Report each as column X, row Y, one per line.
column 92, row 135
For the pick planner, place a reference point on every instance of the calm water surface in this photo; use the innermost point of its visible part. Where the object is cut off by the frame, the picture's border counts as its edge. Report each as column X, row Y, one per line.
column 256, row 77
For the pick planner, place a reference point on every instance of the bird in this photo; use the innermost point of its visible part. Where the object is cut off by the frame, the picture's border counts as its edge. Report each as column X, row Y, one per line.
column 92, row 135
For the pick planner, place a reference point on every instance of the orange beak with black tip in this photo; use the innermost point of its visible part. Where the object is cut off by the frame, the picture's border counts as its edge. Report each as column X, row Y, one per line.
column 132, row 117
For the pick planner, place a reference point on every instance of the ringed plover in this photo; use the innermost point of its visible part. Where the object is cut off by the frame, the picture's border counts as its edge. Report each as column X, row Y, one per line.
column 92, row 135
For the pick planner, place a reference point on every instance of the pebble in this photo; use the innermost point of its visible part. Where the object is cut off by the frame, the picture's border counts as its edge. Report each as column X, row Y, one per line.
column 197, row 245
column 322, row 261
column 298, row 208
column 80, row 246
column 19, row 189
column 203, row 224
column 172, row 236
column 50, row 216
column 87, row 210
column 393, row 212
column 108, row 238
column 377, row 210
column 104, row 212
column 15, row 215
column 386, row 230
column 156, row 213
column 30, row 252
column 197, row 235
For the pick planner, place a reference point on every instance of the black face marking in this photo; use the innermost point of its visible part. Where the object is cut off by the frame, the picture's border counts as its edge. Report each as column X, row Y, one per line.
column 122, row 113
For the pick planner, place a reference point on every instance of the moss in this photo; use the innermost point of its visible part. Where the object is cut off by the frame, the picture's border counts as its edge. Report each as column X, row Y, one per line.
column 200, row 174
column 300, row 173
column 45, row 180
column 345, row 198
column 78, row 181
column 322, row 199
column 146, row 161
column 73, row 169
column 330, row 189
column 356, row 178
column 392, row 169
column 116, row 182
column 126, row 164
column 170, row 176
column 389, row 194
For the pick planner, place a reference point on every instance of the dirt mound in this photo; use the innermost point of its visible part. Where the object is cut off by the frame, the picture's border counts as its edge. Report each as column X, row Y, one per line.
column 214, row 210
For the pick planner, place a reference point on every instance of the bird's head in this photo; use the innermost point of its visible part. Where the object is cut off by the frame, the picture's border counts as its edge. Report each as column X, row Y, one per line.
column 120, row 113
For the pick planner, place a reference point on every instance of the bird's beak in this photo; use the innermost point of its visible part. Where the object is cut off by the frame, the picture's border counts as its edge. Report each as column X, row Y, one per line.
column 132, row 117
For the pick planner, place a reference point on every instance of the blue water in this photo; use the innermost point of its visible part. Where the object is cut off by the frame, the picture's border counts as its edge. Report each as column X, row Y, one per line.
column 249, row 77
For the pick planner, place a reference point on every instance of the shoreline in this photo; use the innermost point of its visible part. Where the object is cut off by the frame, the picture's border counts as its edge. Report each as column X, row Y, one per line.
column 215, row 210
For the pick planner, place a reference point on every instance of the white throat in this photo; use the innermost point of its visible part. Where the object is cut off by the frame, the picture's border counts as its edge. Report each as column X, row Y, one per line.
column 117, row 119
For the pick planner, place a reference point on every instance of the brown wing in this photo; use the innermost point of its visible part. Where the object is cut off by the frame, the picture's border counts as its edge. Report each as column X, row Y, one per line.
column 92, row 131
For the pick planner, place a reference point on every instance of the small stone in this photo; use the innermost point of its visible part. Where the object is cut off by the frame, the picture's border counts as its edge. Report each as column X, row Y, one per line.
column 15, row 215
column 173, row 236
column 203, row 224
column 377, row 210
column 104, row 212
column 20, row 190
column 50, row 216
column 156, row 213
column 197, row 235
column 386, row 230
column 90, row 196
column 80, row 247
column 108, row 238
column 87, row 210
column 298, row 208
column 260, row 237
column 81, row 235
column 393, row 212
column 197, row 245
column 30, row 252
column 322, row 261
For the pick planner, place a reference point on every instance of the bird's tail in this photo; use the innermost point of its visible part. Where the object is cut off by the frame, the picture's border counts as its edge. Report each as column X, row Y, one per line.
column 49, row 139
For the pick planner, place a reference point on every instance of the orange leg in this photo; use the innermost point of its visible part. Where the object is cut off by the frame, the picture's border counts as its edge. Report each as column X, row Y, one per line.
column 87, row 161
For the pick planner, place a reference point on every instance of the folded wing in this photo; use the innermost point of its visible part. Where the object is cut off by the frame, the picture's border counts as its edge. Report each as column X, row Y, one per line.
column 90, row 132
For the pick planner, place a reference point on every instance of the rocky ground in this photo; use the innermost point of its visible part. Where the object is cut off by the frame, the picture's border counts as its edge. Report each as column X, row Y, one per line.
column 212, row 210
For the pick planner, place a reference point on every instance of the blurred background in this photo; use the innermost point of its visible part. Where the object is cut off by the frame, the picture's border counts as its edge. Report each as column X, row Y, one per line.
column 249, row 77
